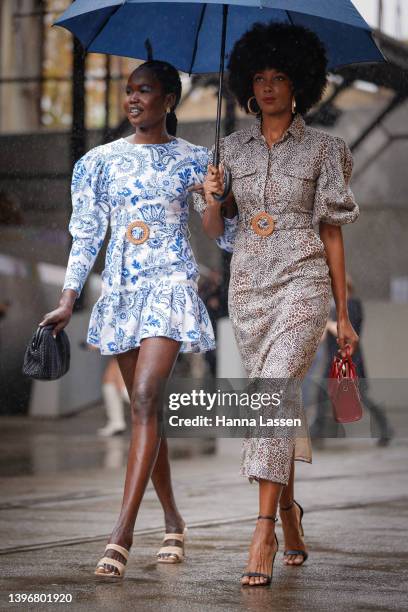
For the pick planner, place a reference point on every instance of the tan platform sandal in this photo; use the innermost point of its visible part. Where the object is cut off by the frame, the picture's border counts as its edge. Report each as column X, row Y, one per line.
column 176, row 552
column 109, row 561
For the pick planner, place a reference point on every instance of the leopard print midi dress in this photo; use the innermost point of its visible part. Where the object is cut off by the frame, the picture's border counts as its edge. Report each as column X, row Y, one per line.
column 280, row 287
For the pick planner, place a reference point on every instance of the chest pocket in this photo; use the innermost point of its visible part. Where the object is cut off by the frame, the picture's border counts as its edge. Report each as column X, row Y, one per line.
column 298, row 186
column 244, row 181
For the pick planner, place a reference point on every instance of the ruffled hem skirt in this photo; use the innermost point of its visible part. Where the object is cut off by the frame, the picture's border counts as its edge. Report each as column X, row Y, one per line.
column 160, row 307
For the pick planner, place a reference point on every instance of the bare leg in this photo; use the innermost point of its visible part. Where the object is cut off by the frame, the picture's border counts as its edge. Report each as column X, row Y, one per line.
column 290, row 517
column 288, row 491
column 161, row 478
column 146, row 368
column 263, row 545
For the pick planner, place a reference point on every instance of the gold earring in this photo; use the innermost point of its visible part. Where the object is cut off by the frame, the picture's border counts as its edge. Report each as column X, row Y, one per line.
column 293, row 105
column 249, row 106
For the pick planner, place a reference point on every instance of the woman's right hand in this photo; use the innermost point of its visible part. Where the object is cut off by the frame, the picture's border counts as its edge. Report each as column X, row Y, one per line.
column 61, row 316
column 213, row 183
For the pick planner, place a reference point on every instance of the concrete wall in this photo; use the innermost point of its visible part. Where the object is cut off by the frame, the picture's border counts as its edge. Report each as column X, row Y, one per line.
column 20, row 56
column 34, row 290
column 377, row 244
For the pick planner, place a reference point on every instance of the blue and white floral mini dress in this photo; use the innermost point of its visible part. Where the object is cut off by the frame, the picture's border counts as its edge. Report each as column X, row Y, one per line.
column 149, row 284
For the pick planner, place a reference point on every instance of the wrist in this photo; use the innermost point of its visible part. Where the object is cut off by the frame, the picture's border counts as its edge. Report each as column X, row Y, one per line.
column 214, row 206
column 68, row 298
column 342, row 315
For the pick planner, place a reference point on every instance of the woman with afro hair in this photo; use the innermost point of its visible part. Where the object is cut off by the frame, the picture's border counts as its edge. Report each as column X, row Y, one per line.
column 290, row 186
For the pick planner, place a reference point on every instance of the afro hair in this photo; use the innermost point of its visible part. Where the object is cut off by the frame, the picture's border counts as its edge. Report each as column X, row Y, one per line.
column 293, row 50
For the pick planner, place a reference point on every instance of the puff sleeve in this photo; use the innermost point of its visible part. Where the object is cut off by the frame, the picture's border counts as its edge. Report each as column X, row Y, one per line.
column 334, row 201
column 227, row 239
column 89, row 220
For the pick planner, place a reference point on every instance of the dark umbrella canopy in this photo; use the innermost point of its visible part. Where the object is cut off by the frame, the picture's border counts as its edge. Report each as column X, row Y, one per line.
column 189, row 34
column 196, row 37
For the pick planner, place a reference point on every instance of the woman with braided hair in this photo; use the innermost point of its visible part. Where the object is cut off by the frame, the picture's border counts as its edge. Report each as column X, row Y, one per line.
column 149, row 309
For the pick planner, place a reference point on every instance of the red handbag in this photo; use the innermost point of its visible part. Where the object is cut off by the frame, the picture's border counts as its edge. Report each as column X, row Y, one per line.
column 343, row 390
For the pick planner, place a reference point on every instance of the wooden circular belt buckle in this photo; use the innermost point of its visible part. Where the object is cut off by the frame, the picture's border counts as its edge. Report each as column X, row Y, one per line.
column 263, row 224
column 142, row 226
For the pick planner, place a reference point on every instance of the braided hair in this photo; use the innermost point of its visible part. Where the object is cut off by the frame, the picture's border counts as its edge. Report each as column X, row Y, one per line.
column 170, row 81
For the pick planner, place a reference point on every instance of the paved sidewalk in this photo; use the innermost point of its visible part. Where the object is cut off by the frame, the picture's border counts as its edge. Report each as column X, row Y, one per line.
column 61, row 490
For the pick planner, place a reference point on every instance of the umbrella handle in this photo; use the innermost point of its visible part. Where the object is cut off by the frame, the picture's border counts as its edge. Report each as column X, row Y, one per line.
column 227, row 186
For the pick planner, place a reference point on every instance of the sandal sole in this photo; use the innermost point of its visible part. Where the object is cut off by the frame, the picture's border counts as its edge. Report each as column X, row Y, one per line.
column 171, row 562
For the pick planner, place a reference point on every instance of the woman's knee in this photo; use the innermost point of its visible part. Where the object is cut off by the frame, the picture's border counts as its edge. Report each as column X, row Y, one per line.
column 144, row 400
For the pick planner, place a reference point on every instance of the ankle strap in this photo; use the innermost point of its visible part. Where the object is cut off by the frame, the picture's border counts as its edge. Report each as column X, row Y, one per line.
column 266, row 516
column 288, row 507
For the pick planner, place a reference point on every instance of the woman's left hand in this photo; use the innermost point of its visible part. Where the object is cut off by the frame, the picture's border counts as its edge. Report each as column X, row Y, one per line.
column 346, row 335
column 213, row 183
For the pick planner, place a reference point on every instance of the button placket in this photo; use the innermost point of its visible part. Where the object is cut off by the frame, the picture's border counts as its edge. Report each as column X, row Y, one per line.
column 265, row 177
column 271, row 159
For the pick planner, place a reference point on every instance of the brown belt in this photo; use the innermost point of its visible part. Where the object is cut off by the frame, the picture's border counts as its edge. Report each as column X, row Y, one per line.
column 138, row 232
column 263, row 224
column 142, row 233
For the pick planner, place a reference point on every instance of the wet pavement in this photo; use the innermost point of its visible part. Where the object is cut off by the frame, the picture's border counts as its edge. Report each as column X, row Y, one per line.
column 61, row 489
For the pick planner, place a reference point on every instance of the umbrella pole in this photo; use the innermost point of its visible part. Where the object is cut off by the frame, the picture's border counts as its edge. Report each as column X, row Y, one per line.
column 216, row 157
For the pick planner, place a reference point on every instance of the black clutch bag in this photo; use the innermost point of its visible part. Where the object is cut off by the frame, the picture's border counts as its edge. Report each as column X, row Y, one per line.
column 46, row 357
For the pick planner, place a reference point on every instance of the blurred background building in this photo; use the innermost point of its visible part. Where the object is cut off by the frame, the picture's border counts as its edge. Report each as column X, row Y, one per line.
column 56, row 103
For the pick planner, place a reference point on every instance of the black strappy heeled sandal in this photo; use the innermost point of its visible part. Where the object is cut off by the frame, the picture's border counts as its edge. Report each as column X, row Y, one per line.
column 260, row 574
column 295, row 551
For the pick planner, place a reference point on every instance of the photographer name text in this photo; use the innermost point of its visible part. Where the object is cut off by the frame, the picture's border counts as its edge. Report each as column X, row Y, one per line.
column 223, row 421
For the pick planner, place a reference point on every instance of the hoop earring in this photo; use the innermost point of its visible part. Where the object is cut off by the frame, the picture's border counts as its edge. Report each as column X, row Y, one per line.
column 249, row 106
column 293, row 105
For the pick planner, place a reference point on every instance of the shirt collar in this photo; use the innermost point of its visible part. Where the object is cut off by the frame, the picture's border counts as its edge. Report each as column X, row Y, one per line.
column 296, row 129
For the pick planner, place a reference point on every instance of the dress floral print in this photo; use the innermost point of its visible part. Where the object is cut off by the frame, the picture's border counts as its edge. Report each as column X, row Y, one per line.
column 280, row 288
column 148, row 289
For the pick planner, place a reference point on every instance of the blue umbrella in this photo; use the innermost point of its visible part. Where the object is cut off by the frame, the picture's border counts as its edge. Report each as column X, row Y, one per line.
column 196, row 37
column 189, row 34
